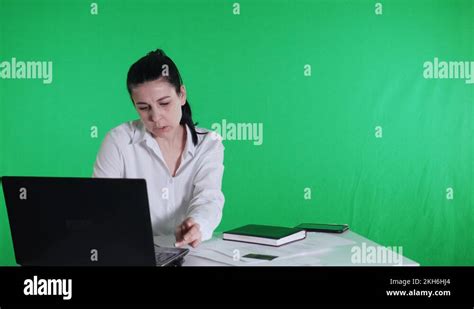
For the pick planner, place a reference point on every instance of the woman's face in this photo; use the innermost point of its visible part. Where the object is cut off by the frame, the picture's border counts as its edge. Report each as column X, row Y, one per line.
column 159, row 106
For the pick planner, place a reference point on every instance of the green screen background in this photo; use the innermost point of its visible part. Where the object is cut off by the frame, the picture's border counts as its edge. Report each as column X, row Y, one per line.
column 319, row 130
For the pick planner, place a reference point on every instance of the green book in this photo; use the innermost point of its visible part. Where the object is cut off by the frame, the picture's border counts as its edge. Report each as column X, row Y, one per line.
column 265, row 234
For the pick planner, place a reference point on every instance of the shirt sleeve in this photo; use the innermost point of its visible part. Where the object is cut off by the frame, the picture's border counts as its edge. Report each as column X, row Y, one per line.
column 109, row 160
column 208, row 200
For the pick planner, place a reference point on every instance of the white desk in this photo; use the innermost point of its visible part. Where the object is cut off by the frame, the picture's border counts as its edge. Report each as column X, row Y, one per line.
column 319, row 249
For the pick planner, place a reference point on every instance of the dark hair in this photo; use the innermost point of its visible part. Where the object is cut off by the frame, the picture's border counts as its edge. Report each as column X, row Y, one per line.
column 150, row 68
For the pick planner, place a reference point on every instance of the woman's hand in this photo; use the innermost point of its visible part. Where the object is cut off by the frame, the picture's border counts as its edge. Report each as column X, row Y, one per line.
column 188, row 232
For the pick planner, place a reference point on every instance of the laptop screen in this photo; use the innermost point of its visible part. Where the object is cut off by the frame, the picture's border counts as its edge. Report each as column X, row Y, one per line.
column 79, row 221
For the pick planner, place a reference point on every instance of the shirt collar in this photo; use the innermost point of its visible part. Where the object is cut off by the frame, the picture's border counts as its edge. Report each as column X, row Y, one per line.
column 140, row 135
column 189, row 148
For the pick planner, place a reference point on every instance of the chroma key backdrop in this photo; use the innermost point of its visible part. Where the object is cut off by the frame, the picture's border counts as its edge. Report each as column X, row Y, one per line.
column 357, row 112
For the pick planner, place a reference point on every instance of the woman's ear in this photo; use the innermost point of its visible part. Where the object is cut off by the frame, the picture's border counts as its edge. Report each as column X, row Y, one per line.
column 182, row 95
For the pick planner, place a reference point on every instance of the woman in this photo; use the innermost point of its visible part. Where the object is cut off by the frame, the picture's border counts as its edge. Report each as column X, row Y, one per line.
column 182, row 164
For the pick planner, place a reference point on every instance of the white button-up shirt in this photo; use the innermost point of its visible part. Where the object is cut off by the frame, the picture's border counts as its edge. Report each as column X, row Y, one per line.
column 130, row 151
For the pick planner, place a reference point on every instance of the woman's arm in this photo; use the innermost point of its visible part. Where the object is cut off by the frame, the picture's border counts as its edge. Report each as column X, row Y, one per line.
column 207, row 201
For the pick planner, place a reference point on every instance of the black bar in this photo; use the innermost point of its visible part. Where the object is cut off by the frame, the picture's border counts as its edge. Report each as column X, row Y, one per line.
column 313, row 285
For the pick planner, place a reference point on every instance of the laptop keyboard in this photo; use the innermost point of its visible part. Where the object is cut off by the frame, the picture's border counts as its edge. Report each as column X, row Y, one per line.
column 162, row 257
column 169, row 256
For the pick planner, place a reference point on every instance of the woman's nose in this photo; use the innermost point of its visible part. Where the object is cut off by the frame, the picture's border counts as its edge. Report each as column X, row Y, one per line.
column 155, row 114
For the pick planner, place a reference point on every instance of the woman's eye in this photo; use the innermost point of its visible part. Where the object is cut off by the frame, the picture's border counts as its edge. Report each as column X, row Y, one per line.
column 148, row 107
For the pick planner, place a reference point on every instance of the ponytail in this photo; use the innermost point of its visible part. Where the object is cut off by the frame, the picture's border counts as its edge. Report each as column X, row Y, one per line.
column 188, row 120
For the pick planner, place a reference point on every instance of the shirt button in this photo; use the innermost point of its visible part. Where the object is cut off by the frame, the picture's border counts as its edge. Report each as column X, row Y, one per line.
column 171, row 180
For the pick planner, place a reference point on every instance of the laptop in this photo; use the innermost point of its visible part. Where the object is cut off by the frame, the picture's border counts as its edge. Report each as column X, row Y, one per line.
column 59, row 221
